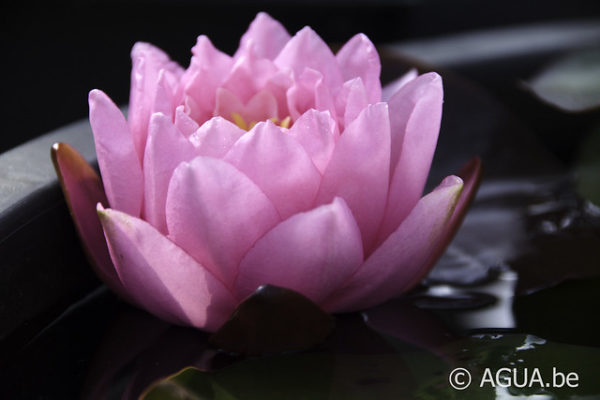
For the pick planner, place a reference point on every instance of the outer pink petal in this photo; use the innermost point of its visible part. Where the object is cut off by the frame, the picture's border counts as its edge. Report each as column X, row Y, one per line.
column 405, row 255
column 207, row 71
column 147, row 62
column 317, row 132
column 307, row 50
column 83, row 190
column 215, row 137
column 216, row 213
column 279, row 165
column 161, row 277
column 359, row 170
column 165, row 149
column 311, row 253
column 391, row 88
column 471, row 176
column 184, row 122
column 117, row 157
column 415, row 115
column 358, row 58
column 265, row 38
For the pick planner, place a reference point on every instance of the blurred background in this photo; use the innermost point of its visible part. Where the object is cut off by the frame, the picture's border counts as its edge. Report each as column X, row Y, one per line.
column 55, row 52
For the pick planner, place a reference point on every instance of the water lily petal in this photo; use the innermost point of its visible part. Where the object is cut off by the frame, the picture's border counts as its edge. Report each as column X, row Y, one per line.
column 317, row 132
column 359, row 170
column 265, row 38
column 227, row 104
column 415, row 115
column 216, row 213
column 148, row 61
column 166, row 148
column 391, row 88
column 279, row 165
column 184, row 122
column 278, row 86
column 311, row 253
column 261, row 106
column 163, row 278
column 307, row 50
column 164, row 96
column 471, row 176
column 208, row 69
column 309, row 91
column 215, row 137
column 405, row 255
column 359, row 58
column 249, row 75
column 352, row 100
column 116, row 153
column 83, row 190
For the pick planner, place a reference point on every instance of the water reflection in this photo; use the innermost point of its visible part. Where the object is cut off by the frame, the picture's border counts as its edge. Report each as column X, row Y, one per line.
column 495, row 315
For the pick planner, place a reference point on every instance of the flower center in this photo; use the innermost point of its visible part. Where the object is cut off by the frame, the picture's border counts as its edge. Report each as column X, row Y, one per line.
column 239, row 121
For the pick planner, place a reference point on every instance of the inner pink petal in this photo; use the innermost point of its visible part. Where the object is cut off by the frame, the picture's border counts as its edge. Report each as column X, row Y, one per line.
column 279, row 165
column 216, row 213
column 264, row 38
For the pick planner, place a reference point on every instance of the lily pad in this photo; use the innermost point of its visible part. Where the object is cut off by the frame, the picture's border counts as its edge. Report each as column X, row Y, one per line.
column 407, row 373
column 311, row 376
column 538, row 227
column 521, row 354
column 273, row 320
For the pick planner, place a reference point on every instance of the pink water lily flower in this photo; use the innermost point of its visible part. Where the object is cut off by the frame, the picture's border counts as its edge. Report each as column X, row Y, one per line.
column 283, row 164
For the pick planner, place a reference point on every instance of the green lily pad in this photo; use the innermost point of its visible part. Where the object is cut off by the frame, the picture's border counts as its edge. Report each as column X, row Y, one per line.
column 311, row 376
column 484, row 355
column 273, row 320
column 406, row 373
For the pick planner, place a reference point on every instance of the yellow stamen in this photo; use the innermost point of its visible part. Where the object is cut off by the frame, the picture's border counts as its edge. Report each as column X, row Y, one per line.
column 285, row 123
column 239, row 121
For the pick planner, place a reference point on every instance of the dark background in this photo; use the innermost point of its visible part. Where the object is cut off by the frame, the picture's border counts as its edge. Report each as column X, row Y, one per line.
column 53, row 54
